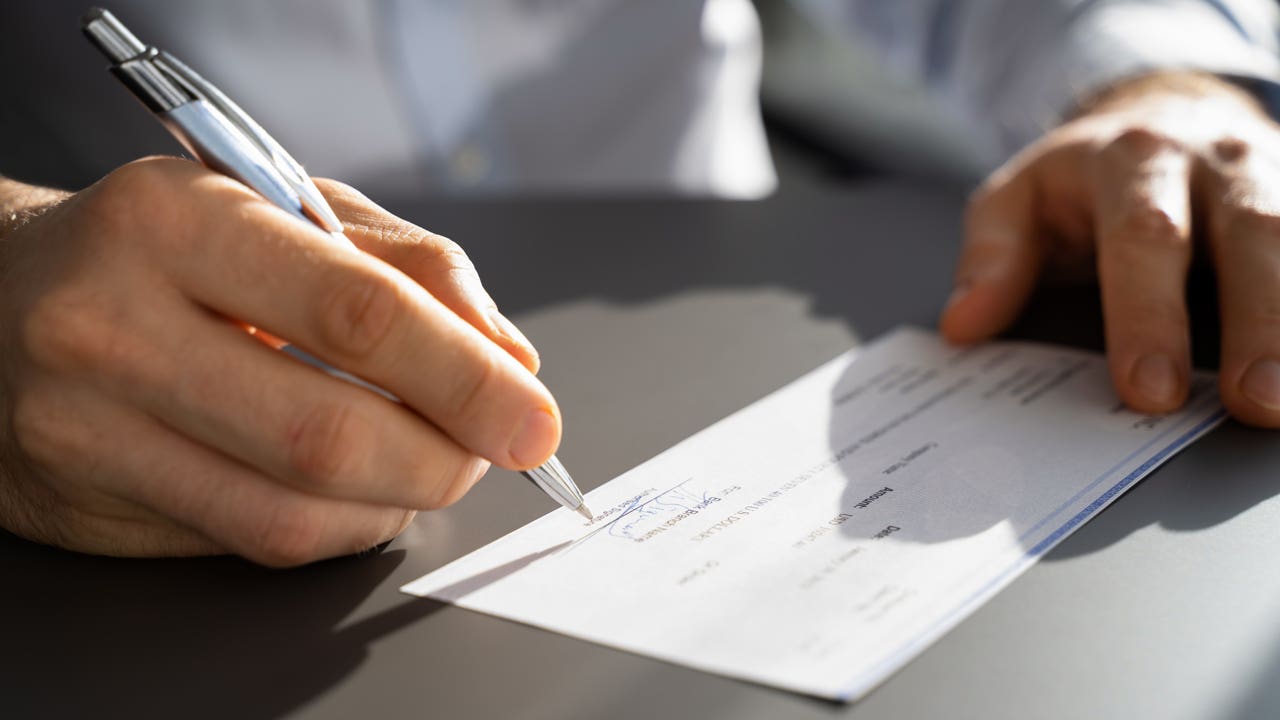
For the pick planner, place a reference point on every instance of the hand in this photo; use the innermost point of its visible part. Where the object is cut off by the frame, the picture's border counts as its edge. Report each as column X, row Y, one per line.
column 139, row 418
column 1154, row 172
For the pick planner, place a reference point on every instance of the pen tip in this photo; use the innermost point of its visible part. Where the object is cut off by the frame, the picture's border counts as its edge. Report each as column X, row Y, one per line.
column 585, row 512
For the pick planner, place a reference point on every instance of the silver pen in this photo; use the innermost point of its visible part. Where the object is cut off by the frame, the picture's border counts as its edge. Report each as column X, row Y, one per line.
column 224, row 138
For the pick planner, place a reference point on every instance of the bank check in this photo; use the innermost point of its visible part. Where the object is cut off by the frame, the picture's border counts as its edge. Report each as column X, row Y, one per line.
column 821, row 537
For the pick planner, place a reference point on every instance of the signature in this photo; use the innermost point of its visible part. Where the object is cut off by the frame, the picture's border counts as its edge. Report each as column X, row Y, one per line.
column 642, row 519
column 645, row 520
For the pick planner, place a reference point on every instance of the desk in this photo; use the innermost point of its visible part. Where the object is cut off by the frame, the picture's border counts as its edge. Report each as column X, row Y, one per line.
column 656, row 318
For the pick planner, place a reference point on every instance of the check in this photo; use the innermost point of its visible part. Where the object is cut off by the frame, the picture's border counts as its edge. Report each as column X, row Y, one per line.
column 821, row 537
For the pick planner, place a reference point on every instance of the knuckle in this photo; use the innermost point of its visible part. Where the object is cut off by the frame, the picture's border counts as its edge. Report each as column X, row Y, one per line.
column 470, row 389
column 359, row 315
column 66, row 330
column 1150, row 226
column 326, row 446
column 449, row 254
column 440, row 257
column 46, row 328
column 459, row 477
column 289, row 534
column 37, row 431
column 141, row 183
column 1230, row 149
column 150, row 204
column 1139, row 142
column 53, row 440
column 145, row 174
column 455, row 264
column 1251, row 224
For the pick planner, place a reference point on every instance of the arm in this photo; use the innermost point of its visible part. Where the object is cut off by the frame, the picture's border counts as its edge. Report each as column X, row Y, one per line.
column 1135, row 161
column 1014, row 69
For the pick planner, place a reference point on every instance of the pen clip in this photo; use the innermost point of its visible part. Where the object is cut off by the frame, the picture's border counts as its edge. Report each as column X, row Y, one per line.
column 290, row 170
column 165, row 83
column 132, row 62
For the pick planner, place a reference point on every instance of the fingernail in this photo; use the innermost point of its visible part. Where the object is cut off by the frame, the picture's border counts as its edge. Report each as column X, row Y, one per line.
column 535, row 439
column 1155, row 377
column 509, row 330
column 1261, row 383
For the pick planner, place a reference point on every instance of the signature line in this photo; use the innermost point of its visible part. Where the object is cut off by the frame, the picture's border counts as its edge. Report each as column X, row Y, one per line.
column 636, row 505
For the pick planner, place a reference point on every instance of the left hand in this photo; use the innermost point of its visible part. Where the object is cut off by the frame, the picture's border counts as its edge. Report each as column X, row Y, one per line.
column 1155, row 171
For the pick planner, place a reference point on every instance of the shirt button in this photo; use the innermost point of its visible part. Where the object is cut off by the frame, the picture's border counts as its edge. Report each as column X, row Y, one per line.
column 470, row 164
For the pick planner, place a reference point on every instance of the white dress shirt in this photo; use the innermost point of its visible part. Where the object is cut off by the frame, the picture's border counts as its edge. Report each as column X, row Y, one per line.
column 588, row 95
column 1011, row 69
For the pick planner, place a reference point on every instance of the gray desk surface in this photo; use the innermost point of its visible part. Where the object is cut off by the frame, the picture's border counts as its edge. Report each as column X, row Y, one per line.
column 655, row 319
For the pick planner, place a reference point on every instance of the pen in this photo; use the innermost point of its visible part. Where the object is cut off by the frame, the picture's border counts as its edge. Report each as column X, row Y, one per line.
column 225, row 139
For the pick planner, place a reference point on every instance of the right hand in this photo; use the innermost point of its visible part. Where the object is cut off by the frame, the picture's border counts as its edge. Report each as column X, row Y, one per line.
column 140, row 419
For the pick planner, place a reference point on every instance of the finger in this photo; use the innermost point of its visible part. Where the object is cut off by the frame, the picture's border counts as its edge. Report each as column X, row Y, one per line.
column 1245, row 237
column 233, row 505
column 61, row 514
column 66, row 433
column 1143, row 216
column 359, row 314
column 294, row 423
column 436, row 262
column 1001, row 259
column 118, row 469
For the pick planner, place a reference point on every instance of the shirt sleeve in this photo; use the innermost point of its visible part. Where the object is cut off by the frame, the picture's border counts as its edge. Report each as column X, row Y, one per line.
column 1011, row 69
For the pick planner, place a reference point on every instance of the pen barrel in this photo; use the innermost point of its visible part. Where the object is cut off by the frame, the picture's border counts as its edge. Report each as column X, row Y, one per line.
column 208, row 135
column 209, row 124
column 553, row 479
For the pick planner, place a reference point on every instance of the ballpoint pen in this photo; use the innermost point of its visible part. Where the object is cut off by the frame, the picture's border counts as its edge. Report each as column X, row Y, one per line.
column 224, row 138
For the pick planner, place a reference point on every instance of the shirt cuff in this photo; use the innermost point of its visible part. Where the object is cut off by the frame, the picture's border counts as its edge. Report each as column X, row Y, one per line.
column 1114, row 41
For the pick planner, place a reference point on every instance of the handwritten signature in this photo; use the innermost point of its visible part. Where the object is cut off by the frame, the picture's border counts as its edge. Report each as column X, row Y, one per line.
column 645, row 520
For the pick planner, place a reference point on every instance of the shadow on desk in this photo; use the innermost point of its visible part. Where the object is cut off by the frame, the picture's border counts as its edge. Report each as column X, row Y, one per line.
column 221, row 638
column 1183, row 498
column 870, row 260
column 215, row 637
column 1232, row 469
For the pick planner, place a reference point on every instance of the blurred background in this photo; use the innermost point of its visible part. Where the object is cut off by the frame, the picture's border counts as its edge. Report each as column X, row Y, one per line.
column 400, row 97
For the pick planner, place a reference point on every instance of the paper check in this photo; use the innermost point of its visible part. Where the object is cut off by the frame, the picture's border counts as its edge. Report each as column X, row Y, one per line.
column 820, row 538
